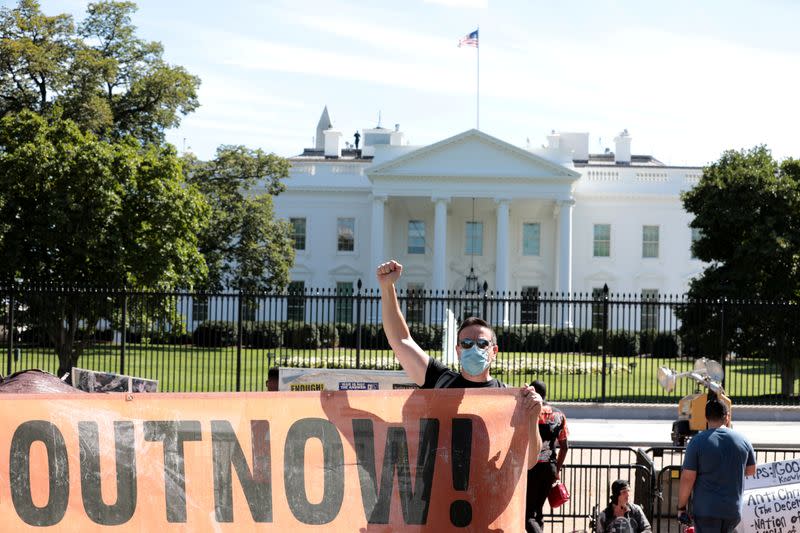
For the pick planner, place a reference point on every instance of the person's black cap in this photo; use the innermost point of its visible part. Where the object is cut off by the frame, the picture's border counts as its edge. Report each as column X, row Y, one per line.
column 618, row 486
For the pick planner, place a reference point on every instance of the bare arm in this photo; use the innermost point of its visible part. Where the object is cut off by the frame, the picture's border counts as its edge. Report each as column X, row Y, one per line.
column 688, row 477
column 411, row 357
column 563, row 447
column 750, row 470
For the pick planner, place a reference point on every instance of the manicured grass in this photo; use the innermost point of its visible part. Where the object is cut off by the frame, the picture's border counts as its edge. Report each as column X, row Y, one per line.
column 569, row 376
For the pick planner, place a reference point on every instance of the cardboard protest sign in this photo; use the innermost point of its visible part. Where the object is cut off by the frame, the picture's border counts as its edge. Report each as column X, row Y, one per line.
column 407, row 460
column 319, row 379
column 95, row 381
column 771, row 499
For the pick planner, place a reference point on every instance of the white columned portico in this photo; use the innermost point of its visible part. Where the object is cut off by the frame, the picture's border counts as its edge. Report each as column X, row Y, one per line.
column 377, row 244
column 563, row 210
column 440, row 243
column 503, row 252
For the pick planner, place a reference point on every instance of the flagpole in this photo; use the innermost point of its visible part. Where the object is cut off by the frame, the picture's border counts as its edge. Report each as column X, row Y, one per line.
column 478, row 82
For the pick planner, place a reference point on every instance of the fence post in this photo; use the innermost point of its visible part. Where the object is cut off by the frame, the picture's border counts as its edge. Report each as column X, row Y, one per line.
column 722, row 337
column 240, row 309
column 10, row 331
column 605, row 341
column 124, row 330
column 358, row 323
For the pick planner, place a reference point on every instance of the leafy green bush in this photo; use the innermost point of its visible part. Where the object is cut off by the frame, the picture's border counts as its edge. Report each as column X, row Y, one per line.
column 214, row 334
column 538, row 339
column 347, row 334
column 646, row 339
column 301, row 335
column 665, row 345
column 263, row 334
column 621, row 344
column 513, row 338
column 328, row 336
column 590, row 340
column 563, row 340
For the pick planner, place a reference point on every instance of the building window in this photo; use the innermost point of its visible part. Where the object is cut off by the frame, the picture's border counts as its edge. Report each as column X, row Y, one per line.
column 649, row 309
column 474, row 244
column 298, row 233
column 199, row 309
column 346, row 234
column 416, row 236
column 649, row 241
column 597, row 307
column 696, row 234
column 531, row 236
column 415, row 303
column 343, row 302
column 602, row 240
column 295, row 301
column 529, row 308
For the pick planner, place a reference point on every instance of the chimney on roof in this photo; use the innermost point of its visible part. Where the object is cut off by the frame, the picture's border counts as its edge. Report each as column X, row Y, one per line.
column 622, row 154
column 553, row 140
column 333, row 143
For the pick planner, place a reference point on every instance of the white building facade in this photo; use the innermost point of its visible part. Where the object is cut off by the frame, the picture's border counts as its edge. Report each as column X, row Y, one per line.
column 554, row 219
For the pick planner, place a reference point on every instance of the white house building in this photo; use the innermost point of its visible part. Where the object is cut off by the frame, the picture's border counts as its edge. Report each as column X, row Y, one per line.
column 550, row 219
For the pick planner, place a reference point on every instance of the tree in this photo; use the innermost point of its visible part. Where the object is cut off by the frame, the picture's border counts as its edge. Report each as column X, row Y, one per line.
column 98, row 74
column 77, row 210
column 747, row 208
column 244, row 246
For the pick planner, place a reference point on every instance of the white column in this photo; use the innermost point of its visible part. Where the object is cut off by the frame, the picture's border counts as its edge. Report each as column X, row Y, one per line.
column 377, row 244
column 503, row 247
column 440, row 243
column 563, row 210
column 503, row 252
column 564, row 266
column 445, row 314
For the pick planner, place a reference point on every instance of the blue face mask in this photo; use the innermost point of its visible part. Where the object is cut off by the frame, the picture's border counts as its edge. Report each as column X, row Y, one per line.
column 474, row 360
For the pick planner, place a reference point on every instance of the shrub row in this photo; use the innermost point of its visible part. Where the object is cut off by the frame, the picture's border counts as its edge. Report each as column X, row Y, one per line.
column 619, row 343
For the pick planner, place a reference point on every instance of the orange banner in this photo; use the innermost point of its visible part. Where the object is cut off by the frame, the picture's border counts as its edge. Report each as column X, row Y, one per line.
column 407, row 460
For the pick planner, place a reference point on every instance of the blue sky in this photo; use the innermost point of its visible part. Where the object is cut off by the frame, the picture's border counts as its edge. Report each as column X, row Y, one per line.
column 687, row 79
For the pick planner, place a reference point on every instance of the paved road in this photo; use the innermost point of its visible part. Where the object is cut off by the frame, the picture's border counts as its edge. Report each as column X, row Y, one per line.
column 647, row 433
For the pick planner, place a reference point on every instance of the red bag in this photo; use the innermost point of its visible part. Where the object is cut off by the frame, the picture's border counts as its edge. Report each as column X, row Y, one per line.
column 558, row 495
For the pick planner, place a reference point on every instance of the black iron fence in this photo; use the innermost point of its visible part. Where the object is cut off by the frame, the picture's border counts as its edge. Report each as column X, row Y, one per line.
column 654, row 475
column 588, row 347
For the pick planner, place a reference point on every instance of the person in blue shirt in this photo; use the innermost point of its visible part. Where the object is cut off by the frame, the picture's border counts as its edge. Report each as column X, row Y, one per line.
column 714, row 466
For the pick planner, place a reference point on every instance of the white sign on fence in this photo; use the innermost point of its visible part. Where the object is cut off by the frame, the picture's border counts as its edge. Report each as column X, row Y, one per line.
column 316, row 379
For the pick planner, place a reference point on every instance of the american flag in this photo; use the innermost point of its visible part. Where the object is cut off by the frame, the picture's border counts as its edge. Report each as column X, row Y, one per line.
column 470, row 39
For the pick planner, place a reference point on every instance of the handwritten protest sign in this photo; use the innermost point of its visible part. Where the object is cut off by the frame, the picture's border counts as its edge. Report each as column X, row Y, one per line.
column 408, row 460
column 771, row 499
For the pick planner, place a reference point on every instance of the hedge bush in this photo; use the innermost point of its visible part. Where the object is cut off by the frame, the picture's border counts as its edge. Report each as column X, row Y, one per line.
column 263, row 334
column 301, row 335
column 621, row 344
column 210, row 334
column 328, row 335
column 563, row 340
column 590, row 340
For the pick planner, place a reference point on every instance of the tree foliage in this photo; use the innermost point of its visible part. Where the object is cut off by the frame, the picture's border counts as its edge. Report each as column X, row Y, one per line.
column 80, row 211
column 97, row 73
column 244, row 245
column 747, row 208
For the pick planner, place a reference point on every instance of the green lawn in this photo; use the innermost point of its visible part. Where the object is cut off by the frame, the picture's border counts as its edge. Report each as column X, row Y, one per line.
column 570, row 376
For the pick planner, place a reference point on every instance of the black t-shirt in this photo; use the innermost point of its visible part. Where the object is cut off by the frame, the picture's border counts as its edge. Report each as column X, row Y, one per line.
column 438, row 376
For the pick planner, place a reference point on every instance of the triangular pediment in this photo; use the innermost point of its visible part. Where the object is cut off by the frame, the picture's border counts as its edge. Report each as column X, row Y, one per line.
column 473, row 154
